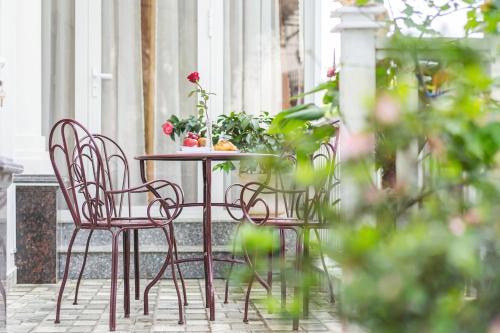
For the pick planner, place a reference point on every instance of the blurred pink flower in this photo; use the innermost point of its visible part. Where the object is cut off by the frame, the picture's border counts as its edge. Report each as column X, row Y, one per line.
column 374, row 195
column 387, row 110
column 473, row 216
column 356, row 145
column 457, row 226
column 436, row 146
column 495, row 325
column 331, row 72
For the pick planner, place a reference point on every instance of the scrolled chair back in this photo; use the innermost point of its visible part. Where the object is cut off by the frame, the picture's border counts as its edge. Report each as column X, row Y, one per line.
column 298, row 202
column 326, row 159
column 117, row 174
column 81, row 169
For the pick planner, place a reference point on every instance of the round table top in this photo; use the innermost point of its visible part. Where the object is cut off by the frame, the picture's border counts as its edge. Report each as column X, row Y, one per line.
column 214, row 156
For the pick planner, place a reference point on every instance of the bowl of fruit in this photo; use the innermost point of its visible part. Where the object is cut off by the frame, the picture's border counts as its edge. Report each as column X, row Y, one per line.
column 194, row 143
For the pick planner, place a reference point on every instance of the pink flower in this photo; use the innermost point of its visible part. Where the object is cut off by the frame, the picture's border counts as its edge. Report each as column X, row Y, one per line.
column 495, row 325
column 387, row 110
column 168, row 128
column 457, row 226
column 331, row 72
column 356, row 145
column 194, row 77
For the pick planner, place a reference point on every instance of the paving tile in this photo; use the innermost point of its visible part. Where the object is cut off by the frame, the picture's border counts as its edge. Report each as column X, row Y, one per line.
column 31, row 309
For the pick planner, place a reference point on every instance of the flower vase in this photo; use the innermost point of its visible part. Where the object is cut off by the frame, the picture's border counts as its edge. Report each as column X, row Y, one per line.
column 210, row 144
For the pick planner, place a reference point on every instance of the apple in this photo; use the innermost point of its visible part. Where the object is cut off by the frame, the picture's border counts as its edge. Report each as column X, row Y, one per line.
column 188, row 142
column 192, row 135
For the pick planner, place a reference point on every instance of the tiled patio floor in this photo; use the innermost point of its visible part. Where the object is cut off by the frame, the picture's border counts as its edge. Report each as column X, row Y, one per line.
column 31, row 308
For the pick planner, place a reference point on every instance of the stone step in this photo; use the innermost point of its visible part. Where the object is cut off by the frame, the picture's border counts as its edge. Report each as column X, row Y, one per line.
column 151, row 259
column 153, row 247
column 186, row 233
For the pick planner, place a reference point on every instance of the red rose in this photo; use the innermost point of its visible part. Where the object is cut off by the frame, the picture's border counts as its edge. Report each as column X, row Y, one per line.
column 331, row 72
column 194, row 77
column 168, row 128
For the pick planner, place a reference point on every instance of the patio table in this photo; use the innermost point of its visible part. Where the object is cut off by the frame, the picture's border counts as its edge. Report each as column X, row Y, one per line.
column 206, row 158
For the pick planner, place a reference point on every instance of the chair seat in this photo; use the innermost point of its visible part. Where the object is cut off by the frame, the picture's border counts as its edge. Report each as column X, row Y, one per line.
column 291, row 222
column 125, row 223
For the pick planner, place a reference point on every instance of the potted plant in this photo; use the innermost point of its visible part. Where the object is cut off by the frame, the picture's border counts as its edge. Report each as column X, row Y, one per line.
column 196, row 130
column 250, row 134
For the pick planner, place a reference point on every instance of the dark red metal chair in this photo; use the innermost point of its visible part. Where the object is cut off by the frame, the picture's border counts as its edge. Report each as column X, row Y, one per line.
column 93, row 174
column 302, row 213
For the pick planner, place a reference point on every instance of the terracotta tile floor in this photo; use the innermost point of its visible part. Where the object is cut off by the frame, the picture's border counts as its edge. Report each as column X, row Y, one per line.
column 31, row 308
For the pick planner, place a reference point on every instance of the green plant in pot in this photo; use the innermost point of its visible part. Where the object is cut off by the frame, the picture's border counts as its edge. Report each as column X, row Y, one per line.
column 250, row 134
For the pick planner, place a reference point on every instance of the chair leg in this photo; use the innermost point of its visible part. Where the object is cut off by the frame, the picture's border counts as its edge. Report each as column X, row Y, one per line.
column 171, row 242
column 323, row 263
column 137, row 274
column 226, row 289
column 283, row 268
column 270, row 272
column 306, row 261
column 179, row 267
column 75, row 302
column 65, row 276
column 157, row 277
column 233, row 257
column 247, row 298
column 298, row 267
column 114, row 280
column 126, row 273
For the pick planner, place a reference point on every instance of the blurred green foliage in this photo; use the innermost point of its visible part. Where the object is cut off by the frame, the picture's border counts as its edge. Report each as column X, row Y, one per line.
column 418, row 256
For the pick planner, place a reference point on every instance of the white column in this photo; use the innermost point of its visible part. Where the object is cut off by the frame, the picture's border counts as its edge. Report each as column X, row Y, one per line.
column 30, row 145
column 312, row 49
column 358, row 28
column 8, row 38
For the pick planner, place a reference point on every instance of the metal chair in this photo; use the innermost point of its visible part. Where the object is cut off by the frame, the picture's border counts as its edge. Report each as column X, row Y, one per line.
column 96, row 196
column 302, row 214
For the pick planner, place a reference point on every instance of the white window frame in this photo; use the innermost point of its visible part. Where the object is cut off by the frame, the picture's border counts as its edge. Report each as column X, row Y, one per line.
column 88, row 64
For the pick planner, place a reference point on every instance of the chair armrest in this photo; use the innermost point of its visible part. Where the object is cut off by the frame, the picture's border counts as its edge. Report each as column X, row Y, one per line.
column 256, row 189
column 165, row 203
column 144, row 188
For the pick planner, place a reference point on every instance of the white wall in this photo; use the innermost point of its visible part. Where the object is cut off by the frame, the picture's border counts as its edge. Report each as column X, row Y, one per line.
column 7, row 112
column 21, row 116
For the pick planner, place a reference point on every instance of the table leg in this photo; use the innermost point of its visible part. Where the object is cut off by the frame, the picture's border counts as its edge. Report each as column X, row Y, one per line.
column 207, row 184
column 204, row 225
column 137, row 273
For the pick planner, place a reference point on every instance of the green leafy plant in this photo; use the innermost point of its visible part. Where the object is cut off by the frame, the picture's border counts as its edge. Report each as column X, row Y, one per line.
column 417, row 256
column 250, row 134
column 193, row 123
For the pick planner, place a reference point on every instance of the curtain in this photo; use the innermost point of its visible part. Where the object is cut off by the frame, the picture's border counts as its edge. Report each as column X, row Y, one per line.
column 58, row 65
column 252, row 67
column 122, row 101
column 176, row 58
column 252, row 72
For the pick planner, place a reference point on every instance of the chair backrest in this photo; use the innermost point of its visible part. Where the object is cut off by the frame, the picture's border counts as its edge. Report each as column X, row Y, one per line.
column 280, row 197
column 321, row 194
column 82, row 163
column 117, row 174
column 325, row 158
